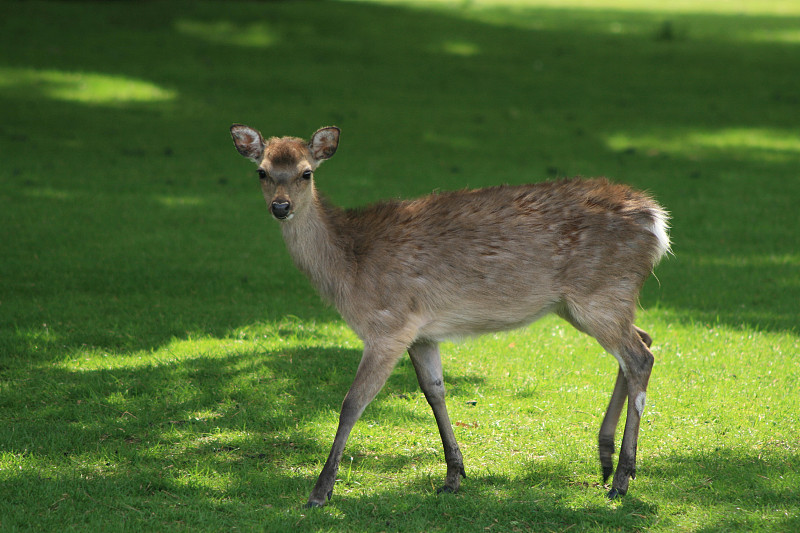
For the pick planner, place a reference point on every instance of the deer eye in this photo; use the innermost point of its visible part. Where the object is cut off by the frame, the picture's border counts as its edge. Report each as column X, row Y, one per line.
column 262, row 174
column 307, row 174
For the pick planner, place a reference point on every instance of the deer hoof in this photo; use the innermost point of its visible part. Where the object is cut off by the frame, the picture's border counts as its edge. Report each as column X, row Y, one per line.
column 613, row 494
column 314, row 503
column 445, row 490
column 607, row 471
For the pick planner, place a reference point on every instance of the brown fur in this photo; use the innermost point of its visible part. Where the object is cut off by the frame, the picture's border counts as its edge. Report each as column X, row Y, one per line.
column 406, row 275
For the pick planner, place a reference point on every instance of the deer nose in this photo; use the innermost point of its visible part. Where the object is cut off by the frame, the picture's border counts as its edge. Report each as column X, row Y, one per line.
column 280, row 209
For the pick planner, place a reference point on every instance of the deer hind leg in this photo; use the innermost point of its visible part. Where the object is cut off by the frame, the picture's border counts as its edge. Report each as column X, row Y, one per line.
column 428, row 365
column 614, row 330
column 605, row 439
column 636, row 361
column 373, row 371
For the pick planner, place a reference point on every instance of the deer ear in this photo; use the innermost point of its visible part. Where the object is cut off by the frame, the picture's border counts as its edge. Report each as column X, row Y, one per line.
column 324, row 143
column 249, row 142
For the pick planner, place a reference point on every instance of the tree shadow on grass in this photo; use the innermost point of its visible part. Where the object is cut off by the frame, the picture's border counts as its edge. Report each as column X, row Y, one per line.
column 163, row 442
column 265, row 400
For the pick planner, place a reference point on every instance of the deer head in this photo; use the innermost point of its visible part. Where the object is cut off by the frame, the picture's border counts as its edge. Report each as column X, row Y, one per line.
column 286, row 165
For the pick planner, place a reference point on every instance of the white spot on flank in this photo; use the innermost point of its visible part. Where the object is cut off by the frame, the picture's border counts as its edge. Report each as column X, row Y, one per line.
column 638, row 403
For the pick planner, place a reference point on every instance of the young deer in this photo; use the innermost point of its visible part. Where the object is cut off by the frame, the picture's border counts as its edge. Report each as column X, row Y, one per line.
column 406, row 275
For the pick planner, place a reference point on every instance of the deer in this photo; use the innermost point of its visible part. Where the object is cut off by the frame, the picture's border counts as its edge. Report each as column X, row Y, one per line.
column 408, row 274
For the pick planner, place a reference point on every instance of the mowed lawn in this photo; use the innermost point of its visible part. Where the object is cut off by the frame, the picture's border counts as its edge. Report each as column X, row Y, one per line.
column 164, row 367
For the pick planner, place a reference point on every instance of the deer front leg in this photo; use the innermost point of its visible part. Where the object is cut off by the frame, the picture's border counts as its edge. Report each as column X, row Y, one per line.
column 375, row 367
column 639, row 363
column 428, row 365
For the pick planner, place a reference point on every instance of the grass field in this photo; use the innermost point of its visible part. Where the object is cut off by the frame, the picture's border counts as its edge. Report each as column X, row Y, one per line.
column 164, row 367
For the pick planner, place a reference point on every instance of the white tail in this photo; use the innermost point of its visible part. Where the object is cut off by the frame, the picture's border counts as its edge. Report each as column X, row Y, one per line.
column 406, row 275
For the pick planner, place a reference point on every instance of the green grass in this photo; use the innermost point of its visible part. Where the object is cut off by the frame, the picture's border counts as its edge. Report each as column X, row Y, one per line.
column 164, row 367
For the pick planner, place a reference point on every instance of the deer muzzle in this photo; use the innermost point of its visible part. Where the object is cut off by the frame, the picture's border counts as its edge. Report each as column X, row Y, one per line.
column 281, row 209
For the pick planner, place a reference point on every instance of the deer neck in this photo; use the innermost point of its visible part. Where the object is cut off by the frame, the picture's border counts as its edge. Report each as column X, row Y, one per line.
column 316, row 247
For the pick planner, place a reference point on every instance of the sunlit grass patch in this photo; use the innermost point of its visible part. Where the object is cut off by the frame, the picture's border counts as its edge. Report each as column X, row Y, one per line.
column 82, row 87
column 759, row 144
column 181, row 201
column 254, row 34
column 777, row 7
column 789, row 36
column 460, row 48
column 676, row 21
